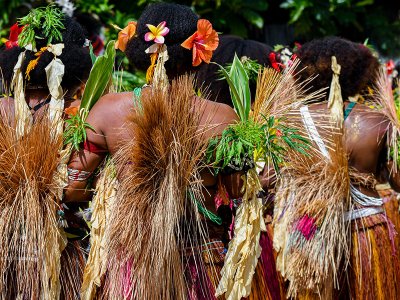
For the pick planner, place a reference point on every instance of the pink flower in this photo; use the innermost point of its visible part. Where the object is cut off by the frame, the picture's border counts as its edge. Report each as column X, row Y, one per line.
column 157, row 33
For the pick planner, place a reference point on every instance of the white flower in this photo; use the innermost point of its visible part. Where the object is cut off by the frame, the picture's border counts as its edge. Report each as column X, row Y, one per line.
column 67, row 7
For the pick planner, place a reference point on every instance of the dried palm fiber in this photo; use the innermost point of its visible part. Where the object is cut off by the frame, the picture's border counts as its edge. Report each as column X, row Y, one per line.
column 311, row 234
column 280, row 95
column 384, row 102
column 266, row 282
column 213, row 260
column 391, row 204
column 33, row 164
column 244, row 249
column 276, row 95
column 373, row 272
column 153, row 218
column 73, row 261
column 103, row 198
column 374, row 265
column 31, row 241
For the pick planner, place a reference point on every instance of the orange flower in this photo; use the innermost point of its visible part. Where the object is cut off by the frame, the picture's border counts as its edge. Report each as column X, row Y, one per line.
column 203, row 42
column 71, row 111
column 125, row 35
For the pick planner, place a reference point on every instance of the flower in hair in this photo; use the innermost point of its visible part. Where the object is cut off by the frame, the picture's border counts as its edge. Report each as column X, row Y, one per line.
column 157, row 33
column 274, row 62
column 203, row 42
column 15, row 30
column 125, row 35
column 390, row 67
column 71, row 111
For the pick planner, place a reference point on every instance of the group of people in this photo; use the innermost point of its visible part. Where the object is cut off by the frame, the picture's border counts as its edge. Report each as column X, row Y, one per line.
column 147, row 207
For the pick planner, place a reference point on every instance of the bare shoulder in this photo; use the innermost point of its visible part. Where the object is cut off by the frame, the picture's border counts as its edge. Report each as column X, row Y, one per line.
column 215, row 116
column 369, row 116
column 112, row 106
column 220, row 112
column 114, row 100
column 109, row 110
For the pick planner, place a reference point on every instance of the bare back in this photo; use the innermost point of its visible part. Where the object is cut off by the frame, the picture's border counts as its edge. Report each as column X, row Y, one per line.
column 365, row 133
column 109, row 118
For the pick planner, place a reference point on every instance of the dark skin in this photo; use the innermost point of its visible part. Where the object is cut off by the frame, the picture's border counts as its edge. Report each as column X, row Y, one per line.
column 366, row 137
column 33, row 97
column 111, row 134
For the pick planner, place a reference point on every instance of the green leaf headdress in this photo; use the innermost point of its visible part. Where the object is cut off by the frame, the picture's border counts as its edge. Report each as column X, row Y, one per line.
column 45, row 23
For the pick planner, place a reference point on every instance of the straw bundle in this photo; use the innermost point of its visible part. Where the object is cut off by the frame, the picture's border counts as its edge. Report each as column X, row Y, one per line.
column 30, row 239
column 154, row 217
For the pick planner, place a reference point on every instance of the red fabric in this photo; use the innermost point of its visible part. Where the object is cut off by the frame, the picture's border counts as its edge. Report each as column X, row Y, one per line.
column 97, row 43
column 91, row 147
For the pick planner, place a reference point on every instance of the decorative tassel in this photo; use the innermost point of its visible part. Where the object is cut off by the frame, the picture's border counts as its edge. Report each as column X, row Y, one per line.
column 335, row 100
column 150, row 70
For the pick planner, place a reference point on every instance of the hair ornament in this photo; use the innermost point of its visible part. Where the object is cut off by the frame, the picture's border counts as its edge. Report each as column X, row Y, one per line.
column 55, row 49
column 390, row 67
column 203, row 42
column 46, row 20
column 15, row 31
column 125, row 35
column 33, row 63
column 157, row 33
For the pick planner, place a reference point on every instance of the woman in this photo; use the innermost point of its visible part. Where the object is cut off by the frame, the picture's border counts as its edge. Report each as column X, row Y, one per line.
column 135, row 128
column 32, row 155
column 357, row 163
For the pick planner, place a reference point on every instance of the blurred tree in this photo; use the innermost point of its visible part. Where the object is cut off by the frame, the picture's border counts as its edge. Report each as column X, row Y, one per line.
column 357, row 20
column 264, row 20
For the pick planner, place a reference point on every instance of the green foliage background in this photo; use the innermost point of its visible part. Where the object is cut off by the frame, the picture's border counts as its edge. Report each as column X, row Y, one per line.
column 377, row 20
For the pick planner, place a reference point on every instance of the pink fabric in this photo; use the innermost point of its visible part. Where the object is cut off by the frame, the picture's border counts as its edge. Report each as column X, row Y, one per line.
column 306, row 225
column 127, row 280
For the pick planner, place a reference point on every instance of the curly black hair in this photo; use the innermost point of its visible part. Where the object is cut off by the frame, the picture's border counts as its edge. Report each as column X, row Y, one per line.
column 182, row 23
column 75, row 58
column 358, row 64
column 208, row 77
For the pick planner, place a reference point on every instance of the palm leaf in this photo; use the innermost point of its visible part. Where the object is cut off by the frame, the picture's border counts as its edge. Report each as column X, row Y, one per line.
column 99, row 77
column 234, row 93
column 241, row 80
column 238, row 81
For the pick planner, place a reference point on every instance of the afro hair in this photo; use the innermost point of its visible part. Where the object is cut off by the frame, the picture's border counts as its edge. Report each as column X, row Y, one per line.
column 208, row 76
column 182, row 23
column 358, row 65
column 75, row 58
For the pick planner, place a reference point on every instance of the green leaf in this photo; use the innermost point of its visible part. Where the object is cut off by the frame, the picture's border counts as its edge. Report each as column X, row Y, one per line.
column 253, row 18
column 241, row 79
column 92, row 55
column 99, row 77
column 364, row 3
column 234, row 93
